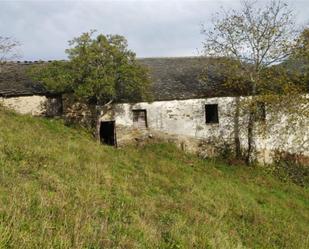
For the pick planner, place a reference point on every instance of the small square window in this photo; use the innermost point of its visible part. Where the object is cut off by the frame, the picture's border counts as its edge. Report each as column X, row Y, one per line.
column 212, row 116
column 140, row 118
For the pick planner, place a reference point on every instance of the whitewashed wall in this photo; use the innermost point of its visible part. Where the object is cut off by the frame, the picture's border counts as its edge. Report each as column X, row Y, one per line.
column 181, row 117
column 185, row 119
column 35, row 105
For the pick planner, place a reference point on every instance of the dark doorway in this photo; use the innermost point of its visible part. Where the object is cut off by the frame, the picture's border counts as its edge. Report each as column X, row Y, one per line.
column 107, row 133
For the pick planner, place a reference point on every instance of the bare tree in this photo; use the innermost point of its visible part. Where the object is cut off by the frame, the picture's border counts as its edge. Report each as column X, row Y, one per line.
column 253, row 41
column 8, row 49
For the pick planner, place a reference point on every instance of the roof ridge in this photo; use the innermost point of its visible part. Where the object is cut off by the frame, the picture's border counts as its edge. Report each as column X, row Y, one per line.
column 173, row 57
column 26, row 62
column 138, row 58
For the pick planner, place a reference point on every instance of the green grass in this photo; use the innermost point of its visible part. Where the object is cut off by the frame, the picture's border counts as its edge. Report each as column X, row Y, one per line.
column 61, row 189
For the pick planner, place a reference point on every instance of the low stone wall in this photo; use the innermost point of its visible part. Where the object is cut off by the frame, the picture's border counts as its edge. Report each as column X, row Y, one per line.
column 78, row 112
column 128, row 135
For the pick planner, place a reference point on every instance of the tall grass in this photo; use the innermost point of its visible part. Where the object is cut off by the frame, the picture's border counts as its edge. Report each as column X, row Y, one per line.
column 61, row 189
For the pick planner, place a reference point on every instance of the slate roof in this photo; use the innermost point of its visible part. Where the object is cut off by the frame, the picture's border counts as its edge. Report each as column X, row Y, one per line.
column 172, row 78
column 15, row 82
column 177, row 78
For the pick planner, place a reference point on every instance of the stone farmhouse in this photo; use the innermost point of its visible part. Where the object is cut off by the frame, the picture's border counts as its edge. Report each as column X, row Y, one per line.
column 183, row 111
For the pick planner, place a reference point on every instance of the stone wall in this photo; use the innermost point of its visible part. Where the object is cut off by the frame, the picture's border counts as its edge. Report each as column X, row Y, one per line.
column 76, row 111
column 35, row 105
column 183, row 122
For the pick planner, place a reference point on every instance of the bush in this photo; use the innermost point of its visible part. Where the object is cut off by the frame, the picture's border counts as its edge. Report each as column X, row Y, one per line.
column 291, row 167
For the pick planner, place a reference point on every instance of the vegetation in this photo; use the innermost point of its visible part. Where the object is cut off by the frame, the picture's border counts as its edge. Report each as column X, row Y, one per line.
column 248, row 44
column 299, row 61
column 99, row 70
column 61, row 189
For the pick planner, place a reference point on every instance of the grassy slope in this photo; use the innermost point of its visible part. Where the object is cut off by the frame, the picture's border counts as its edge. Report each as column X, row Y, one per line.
column 60, row 189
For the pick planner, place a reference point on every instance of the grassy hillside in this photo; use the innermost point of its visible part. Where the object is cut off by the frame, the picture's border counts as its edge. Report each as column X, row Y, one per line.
column 60, row 189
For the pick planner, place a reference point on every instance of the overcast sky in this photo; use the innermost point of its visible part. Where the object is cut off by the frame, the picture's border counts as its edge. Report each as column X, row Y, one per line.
column 153, row 28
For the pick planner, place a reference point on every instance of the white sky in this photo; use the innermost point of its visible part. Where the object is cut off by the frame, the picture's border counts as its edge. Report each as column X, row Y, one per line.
column 153, row 28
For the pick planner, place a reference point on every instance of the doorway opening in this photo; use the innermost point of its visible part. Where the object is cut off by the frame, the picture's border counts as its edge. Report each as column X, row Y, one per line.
column 108, row 133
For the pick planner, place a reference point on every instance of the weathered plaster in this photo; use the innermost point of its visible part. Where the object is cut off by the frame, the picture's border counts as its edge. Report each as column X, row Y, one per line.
column 183, row 122
column 34, row 105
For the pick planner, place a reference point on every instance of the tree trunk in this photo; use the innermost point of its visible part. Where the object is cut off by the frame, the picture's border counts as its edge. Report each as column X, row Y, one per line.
column 251, row 121
column 250, row 137
column 97, row 126
column 94, row 119
column 236, row 129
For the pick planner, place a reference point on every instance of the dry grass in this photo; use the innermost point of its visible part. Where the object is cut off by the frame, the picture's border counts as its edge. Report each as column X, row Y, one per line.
column 60, row 189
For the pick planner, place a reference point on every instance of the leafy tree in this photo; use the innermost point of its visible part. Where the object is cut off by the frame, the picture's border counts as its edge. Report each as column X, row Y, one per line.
column 299, row 60
column 100, row 70
column 247, row 46
column 302, row 48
